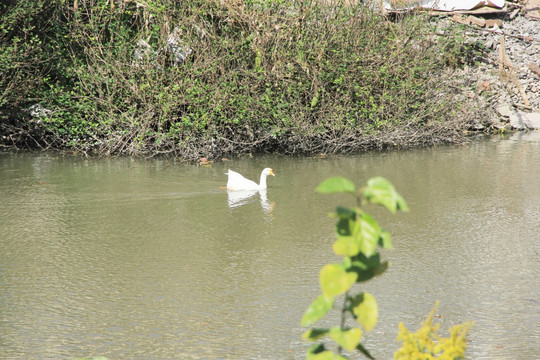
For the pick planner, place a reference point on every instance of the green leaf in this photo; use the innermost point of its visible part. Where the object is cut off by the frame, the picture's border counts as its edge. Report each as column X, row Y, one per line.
column 345, row 213
column 347, row 263
column 381, row 268
column 367, row 268
column 344, row 227
column 381, row 191
column 335, row 280
column 315, row 100
column 347, row 339
column 335, row 185
column 365, row 309
column 346, row 246
column 317, row 310
column 325, row 355
column 316, row 348
column 368, row 232
column 385, row 240
column 315, row 334
column 360, row 235
column 319, row 352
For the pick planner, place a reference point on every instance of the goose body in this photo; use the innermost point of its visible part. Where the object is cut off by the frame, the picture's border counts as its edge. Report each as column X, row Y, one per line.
column 238, row 182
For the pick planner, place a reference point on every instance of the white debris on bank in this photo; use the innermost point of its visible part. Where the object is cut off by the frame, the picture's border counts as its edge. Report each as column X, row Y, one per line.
column 442, row 5
column 179, row 51
column 38, row 111
column 520, row 120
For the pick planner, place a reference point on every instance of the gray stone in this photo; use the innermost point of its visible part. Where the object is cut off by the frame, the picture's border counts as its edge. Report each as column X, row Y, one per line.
column 525, row 121
column 504, row 110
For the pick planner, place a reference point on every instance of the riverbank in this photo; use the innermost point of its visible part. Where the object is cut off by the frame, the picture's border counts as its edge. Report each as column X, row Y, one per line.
column 226, row 79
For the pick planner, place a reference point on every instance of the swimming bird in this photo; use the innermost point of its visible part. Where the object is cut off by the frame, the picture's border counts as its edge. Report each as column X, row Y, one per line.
column 237, row 182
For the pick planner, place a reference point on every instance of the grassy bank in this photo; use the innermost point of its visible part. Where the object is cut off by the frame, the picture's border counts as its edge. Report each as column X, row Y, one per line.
column 221, row 78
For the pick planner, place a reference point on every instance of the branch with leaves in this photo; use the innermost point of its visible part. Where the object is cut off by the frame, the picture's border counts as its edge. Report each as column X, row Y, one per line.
column 357, row 237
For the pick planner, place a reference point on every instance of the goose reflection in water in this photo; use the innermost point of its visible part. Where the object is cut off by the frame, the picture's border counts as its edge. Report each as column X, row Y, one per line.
column 239, row 198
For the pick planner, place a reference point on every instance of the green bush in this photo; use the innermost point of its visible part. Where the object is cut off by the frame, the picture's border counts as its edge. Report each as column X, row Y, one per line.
column 256, row 76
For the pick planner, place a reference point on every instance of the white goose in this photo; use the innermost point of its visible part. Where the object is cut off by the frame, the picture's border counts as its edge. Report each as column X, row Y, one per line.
column 238, row 182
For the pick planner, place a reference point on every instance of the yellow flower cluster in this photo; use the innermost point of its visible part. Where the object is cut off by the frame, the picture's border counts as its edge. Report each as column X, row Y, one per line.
column 425, row 344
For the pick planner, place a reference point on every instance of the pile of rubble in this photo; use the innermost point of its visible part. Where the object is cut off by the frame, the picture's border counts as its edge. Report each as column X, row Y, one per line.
column 503, row 90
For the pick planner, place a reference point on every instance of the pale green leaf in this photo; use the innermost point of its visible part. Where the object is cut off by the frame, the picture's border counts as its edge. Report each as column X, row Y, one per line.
column 366, row 310
column 368, row 232
column 317, row 310
column 335, row 280
column 347, row 263
column 381, row 191
column 336, row 185
column 347, row 339
column 346, row 246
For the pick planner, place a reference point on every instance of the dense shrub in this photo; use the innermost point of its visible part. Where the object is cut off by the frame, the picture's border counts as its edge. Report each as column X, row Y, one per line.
column 216, row 78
